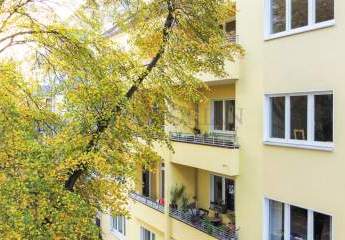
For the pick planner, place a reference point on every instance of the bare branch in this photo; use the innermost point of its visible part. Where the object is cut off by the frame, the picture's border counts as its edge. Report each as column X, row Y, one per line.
column 14, row 43
column 14, row 11
column 22, row 33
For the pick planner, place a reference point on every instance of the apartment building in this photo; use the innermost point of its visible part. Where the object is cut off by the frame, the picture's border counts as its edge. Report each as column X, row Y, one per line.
column 265, row 157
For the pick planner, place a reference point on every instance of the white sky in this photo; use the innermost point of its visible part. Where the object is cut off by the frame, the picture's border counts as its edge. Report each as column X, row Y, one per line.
column 64, row 8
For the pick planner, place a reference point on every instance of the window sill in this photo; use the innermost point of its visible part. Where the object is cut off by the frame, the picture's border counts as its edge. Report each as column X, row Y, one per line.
column 317, row 26
column 117, row 234
column 329, row 147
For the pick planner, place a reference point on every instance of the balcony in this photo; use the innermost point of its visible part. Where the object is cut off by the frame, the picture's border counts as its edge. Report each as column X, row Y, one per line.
column 217, row 153
column 189, row 218
column 233, row 38
column 147, row 210
column 147, row 201
column 226, row 140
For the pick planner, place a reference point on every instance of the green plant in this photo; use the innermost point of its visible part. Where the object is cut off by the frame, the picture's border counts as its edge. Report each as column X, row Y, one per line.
column 184, row 203
column 176, row 193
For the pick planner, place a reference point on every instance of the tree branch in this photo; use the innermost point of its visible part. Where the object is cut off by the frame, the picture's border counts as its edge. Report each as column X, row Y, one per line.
column 169, row 22
column 15, row 10
column 102, row 125
column 31, row 32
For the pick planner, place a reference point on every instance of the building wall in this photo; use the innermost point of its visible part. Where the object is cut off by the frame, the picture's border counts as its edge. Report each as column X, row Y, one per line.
column 141, row 216
column 310, row 61
column 249, row 93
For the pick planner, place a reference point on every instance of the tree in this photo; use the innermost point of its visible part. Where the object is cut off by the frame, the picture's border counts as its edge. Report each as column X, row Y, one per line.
column 59, row 168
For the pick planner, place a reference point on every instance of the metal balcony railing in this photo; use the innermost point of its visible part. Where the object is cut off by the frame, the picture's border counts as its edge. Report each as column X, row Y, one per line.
column 202, row 224
column 219, row 232
column 227, row 140
column 233, row 38
column 147, row 201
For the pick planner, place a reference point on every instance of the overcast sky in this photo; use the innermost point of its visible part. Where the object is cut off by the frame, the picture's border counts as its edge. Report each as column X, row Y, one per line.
column 64, row 8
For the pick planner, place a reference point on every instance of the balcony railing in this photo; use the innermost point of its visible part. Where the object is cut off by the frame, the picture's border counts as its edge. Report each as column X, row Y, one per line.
column 202, row 224
column 227, row 140
column 147, row 201
column 233, row 38
column 219, row 232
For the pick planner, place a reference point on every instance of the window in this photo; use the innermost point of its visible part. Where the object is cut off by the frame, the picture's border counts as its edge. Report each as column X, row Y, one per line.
column 323, row 118
column 278, row 16
column 300, row 119
column 146, row 234
column 277, row 117
column 223, row 115
column 292, row 16
column 287, row 222
column 229, row 29
column 322, row 226
column 299, row 13
column 146, row 183
column 276, row 220
column 119, row 226
column 222, row 193
column 298, row 223
column 324, row 10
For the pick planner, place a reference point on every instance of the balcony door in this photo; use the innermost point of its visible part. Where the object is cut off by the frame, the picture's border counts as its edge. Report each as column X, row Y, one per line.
column 223, row 115
column 230, row 194
column 146, row 181
column 223, row 192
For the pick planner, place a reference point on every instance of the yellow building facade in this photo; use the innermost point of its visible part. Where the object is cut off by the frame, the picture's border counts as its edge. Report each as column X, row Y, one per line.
column 265, row 157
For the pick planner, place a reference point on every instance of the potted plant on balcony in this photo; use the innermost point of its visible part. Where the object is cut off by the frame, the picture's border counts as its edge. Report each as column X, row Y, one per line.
column 196, row 131
column 176, row 193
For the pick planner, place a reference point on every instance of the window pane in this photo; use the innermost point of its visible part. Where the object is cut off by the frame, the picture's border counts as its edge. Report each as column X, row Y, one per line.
column 218, row 189
column 299, row 117
column 324, row 118
column 277, row 117
column 230, row 27
column 230, row 194
column 120, row 224
column 218, row 115
column 115, row 223
column 276, row 220
column 278, row 16
column 124, row 226
column 324, row 10
column 298, row 223
column 322, row 227
column 299, row 13
column 230, row 115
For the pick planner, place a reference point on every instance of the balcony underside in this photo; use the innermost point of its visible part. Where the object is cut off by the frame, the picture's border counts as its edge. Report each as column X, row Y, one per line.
column 220, row 160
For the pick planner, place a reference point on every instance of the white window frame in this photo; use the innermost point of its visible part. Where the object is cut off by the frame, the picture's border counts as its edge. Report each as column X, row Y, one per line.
column 115, row 229
column 142, row 234
column 212, row 188
column 287, row 220
column 310, row 143
column 312, row 25
column 212, row 115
